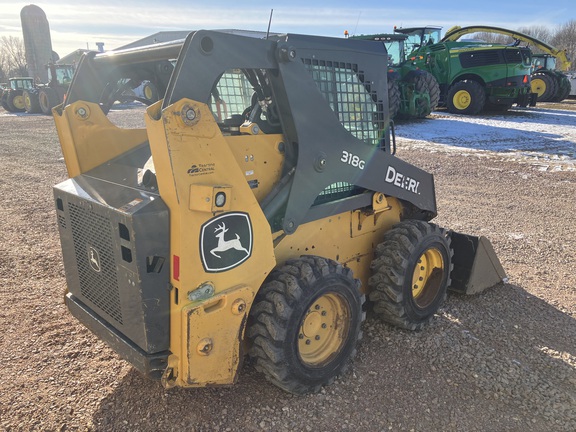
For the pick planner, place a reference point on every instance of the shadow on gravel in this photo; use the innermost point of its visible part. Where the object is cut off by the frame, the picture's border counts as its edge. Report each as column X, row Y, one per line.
column 510, row 317
column 140, row 404
column 502, row 360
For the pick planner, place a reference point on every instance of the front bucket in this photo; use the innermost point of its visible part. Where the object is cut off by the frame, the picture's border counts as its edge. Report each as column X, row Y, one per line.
column 476, row 266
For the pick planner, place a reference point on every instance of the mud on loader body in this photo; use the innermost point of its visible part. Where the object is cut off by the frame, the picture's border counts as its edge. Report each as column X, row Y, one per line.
column 255, row 211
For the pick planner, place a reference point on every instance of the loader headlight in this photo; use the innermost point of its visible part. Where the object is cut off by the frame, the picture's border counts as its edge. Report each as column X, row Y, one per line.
column 220, row 199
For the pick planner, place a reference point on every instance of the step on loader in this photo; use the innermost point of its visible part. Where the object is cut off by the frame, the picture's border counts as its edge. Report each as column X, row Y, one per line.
column 255, row 213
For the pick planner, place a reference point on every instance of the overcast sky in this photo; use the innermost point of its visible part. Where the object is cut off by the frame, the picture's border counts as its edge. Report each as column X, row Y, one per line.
column 82, row 23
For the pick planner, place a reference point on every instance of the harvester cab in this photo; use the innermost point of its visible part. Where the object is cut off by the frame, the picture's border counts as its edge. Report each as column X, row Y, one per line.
column 253, row 214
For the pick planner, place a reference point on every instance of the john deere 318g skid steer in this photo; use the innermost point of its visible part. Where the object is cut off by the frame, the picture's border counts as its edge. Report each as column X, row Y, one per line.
column 255, row 212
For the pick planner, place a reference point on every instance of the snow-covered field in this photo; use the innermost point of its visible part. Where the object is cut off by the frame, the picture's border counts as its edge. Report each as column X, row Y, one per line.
column 542, row 136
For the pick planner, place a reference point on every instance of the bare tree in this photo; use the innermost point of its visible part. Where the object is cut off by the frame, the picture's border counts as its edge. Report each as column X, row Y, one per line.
column 565, row 38
column 538, row 32
column 493, row 38
column 12, row 57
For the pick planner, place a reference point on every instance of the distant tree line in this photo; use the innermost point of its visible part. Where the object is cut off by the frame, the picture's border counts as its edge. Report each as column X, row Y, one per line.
column 13, row 58
column 563, row 37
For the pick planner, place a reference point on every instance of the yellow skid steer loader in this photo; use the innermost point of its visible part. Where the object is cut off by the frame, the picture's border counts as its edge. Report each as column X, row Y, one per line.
column 255, row 212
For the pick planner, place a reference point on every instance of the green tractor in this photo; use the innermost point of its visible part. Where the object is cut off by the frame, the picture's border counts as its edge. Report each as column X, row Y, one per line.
column 473, row 76
column 12, row 99
column 550, row 84
column 43, row 97
column 412, row 91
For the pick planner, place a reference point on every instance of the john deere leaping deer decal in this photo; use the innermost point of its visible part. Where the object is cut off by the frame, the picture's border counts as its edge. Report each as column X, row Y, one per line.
column 226, row 242
column 224, row 245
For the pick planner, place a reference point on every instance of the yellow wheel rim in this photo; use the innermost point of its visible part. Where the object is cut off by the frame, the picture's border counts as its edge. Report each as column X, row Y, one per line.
column 148, row 92
column 18, row 102
column 427, row 277
column 538, row 86
column 462, row 99
column 324, row 329
column 27, row 102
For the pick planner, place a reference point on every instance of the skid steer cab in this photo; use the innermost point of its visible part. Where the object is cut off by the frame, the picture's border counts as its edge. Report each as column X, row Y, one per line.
column 255, row 212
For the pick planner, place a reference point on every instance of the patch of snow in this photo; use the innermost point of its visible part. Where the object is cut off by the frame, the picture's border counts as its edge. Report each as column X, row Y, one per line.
column 540, row 135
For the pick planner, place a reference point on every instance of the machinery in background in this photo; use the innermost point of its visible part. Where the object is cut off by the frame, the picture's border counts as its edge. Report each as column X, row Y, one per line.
column 473, row 76
column 43, row 97
column 12, row 97
column 412, row 91
column 547, row 78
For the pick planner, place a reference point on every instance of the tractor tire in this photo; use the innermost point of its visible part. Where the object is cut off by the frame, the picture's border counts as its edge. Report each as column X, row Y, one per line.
column 48, row 99
column 433, row 89
column 544, row 85
column 466, row 97
column 150, row 92
column 31, row 102
column 563, row 88
column 4, row 101
column 411, row 273
column 305, row 324
column 423, row 82
column 394, row 96
column 15, row 101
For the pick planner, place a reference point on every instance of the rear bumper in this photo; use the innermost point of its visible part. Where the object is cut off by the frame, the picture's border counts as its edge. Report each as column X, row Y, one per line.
column 151, row 365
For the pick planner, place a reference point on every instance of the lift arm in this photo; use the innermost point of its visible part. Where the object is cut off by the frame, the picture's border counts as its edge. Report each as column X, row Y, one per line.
column 456, row 32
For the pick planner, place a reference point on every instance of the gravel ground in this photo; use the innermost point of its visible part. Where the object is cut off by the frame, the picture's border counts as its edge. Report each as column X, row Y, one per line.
column 504, row 360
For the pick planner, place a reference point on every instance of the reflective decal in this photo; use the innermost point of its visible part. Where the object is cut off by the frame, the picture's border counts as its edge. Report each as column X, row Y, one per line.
column 226, row 242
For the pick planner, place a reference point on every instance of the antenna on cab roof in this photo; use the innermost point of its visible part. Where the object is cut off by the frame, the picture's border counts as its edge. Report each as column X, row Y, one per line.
column 269, row 22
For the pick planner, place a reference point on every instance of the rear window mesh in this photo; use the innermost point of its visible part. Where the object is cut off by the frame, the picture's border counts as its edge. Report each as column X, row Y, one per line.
column 233, row 94
column 353, row 103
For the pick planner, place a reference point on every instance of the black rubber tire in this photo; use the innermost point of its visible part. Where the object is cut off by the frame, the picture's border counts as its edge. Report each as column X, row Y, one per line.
column 47, row 99
column 474, row 91
column 544, row 84
column 395, row 267
column 284, row 305
column 4, row 101
column 150, row 92
column 15, row 101
column 394, row 97
column 433, row 89
column 31, row 101
column 563, row 88
column 423, row 82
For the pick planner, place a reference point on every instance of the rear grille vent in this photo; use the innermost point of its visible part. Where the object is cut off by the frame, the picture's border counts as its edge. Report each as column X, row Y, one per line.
column 480, row 58
column 62, row 221
column 94, row 250
column 513, row 56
